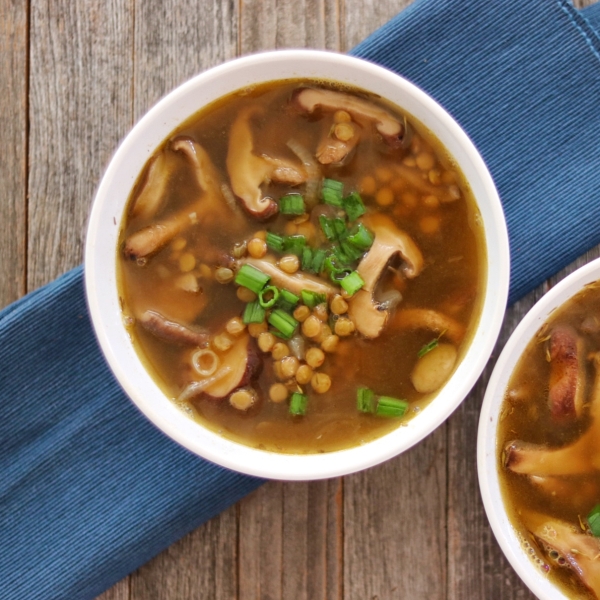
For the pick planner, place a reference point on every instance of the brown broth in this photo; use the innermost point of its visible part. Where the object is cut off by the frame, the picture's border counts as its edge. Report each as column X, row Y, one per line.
column 525, row 416
column 450, row 236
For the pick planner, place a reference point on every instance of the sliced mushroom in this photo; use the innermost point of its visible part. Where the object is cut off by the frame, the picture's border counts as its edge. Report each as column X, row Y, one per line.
column 332, row 150
column 149, row 240
column 295, row 282
column 151, row 196
column 171, row 331
column 247, row 171
column 243, row 360
column 576, row 458
column 567, row 373
column 575, row 549
column 390, row 128
column 426, row 318
column 368, row 315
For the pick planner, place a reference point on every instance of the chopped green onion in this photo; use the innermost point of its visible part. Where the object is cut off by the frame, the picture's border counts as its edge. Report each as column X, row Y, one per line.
column 318, row 260
column 294, row 244
column 292, row 204
column 333, row 265
column 428, row 348
column 332, row 192
column 593, row 520
column 284, row 323
column 264, row 300
column 298, row 404
column 352, row 283
column 287, row 301
column 253, row 313
column 274, row 241
column 327, row 227
column 360, row 237
column 311, row 299
column 365, row 400
column 339, row 226
column 341, row 256
column 391, row 407
column 252, row 278
column 307, row 256
column 353, row 205
column 352, row 252
column 333, row 184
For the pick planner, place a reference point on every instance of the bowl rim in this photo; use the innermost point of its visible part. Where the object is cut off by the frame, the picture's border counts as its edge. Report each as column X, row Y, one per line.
column 234, row 455
column 487, row 451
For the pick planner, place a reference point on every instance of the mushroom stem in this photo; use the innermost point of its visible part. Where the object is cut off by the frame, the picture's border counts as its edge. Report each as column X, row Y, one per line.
column 574, row 459
column 579, row 550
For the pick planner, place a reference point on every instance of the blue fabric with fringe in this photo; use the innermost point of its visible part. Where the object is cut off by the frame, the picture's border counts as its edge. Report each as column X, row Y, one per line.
column 89, row 490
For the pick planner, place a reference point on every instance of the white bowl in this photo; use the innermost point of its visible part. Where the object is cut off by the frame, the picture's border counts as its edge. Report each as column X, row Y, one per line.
column 487, row 450
column 107, row 214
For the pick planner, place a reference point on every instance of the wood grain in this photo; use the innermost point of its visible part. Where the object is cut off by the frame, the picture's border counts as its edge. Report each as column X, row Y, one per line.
column 13, row 162
column 202, row 564
column 79, row 109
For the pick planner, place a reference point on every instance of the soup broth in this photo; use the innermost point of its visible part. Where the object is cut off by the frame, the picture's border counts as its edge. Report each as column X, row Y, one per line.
column 548, row 446
column 370, row 258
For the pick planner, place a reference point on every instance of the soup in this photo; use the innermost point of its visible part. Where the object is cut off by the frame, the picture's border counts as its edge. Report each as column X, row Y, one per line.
column 301, row 267
column 549, row 437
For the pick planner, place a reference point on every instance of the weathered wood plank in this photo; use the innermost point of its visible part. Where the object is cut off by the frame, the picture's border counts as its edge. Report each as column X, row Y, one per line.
column 394, row 534
column 13, row 165
column 261, row 543
column 271, row 24
column 80, row 106
column 202, row 564
column 174, row 41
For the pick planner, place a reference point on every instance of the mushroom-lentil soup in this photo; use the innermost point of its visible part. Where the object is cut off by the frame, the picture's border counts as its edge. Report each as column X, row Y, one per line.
column 548, row 446
column 301, row 267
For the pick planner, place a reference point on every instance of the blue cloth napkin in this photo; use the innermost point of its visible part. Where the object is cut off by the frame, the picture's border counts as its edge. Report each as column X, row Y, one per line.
column 89, row 490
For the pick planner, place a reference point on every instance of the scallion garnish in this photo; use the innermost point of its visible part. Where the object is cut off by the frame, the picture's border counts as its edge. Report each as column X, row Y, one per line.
column 298, row 404
column 253, row 313
column 268, row 296
column 339, row 226
column 332, row 192
column 341, row 256
column 327, row 227
column 311, row 299
column 365, row 400
column 428, row 348
column 360, row 237
column 292, row 204
column 275, row 242
column 593, row 520
column 352, row 252
column 318, row 260
column 352, row 283
column 285, row 324
column 287, row 301
column 252, row 278
column 391, row 407
column 353, row 205
column 294, row 244
column 306, row 260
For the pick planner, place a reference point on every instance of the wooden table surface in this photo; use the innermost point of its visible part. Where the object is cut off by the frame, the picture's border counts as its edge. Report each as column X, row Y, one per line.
column 75, row 75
